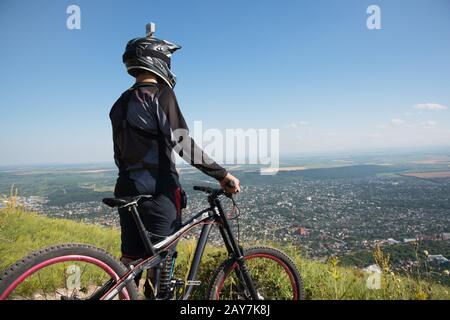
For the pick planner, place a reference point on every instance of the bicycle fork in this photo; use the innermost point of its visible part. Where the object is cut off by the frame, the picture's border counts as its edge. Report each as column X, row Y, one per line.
column 236, row 252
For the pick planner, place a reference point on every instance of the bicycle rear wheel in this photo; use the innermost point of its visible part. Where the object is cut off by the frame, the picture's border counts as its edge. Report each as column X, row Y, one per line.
column 64, row 272
column 274, row 275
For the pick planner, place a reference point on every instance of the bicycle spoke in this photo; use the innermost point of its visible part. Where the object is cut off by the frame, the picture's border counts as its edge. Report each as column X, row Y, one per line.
column 59, row 293
column 53, row 282
column 42, row 286
column 64, row 272
column 260, row 264
column 82, row 272
column 65, row 280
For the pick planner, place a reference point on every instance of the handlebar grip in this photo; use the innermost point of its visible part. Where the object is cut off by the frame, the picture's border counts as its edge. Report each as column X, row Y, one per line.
column 201, row 188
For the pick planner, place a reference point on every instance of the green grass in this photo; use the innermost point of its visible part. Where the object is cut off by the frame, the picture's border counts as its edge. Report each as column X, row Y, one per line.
column 22, row 232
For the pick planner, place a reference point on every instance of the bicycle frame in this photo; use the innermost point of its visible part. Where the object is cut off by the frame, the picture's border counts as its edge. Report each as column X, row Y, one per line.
column 214, row 214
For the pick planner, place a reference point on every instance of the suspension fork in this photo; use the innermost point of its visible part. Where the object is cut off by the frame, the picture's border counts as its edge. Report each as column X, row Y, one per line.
column 235, row 251
column 201, row 243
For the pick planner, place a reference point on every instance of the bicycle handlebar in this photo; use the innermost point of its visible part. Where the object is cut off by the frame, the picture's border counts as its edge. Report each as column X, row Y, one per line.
column 215, row 192
column 204, row 189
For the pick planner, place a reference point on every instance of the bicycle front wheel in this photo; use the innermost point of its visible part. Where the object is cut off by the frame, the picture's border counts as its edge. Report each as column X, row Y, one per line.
column 274, row 276
column 65, row 272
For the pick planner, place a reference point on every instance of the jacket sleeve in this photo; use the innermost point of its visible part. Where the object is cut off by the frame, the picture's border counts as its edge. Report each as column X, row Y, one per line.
column 175, row 129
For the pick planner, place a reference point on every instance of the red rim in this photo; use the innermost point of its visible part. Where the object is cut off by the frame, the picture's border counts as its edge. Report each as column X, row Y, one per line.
column 46, row 263
column 264, row 255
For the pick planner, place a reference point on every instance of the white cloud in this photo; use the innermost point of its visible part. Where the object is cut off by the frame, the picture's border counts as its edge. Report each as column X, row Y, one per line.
column 294, row 125
column 429, row 123
column 397, row 122
column 430, row 106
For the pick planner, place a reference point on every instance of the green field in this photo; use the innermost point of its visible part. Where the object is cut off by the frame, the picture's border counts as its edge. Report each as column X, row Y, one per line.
column 22, row 232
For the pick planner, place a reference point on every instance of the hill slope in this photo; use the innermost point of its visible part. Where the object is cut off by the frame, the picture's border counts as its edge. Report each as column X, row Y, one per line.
column 22, row 232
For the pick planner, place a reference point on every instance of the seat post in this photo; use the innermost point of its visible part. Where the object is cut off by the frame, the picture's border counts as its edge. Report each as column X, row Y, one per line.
column 142, row 230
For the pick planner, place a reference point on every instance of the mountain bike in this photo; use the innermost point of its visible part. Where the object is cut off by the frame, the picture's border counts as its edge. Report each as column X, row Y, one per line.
column 83, row 272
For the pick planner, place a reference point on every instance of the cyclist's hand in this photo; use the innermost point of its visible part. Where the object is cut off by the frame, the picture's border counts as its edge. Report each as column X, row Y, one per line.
column 230, row 180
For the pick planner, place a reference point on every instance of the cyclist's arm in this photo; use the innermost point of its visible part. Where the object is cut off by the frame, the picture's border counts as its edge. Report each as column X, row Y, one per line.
column 174, row 126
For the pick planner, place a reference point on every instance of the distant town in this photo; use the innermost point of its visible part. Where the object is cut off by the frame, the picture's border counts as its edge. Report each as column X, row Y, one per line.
column 324, row 211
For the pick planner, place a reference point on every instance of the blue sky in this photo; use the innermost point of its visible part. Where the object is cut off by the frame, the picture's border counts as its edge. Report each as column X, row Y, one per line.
column 310, row 68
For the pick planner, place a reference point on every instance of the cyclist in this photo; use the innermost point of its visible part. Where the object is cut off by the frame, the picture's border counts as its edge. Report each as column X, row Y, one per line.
column 148, row 127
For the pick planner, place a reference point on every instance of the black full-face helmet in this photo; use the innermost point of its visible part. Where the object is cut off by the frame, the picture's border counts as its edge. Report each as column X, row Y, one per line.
column 151, row 54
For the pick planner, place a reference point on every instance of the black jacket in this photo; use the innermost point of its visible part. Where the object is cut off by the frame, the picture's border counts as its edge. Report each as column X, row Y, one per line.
column 147, row 127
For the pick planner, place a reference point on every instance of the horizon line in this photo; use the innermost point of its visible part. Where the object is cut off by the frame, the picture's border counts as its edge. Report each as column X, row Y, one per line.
column 286, row 155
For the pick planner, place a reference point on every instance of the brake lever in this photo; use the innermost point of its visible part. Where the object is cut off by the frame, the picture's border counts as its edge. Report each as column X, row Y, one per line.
column 228, row 195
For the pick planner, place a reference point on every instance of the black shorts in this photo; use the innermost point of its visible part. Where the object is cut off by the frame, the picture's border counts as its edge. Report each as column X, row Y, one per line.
column 161, row 215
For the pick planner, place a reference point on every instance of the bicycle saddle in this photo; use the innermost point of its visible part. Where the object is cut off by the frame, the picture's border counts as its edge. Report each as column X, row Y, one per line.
column 121, row 202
